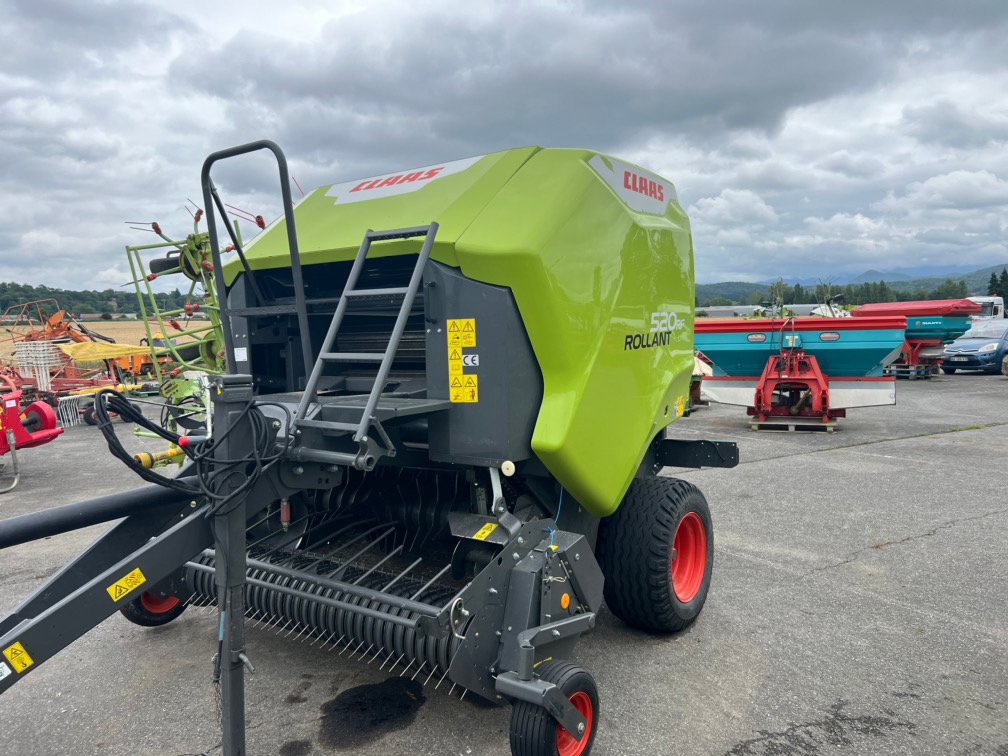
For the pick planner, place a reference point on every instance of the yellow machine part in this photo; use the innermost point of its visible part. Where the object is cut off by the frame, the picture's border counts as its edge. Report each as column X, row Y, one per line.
column 168, row 456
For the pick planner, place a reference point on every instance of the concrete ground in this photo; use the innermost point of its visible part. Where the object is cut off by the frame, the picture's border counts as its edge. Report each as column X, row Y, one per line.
column 859, row 604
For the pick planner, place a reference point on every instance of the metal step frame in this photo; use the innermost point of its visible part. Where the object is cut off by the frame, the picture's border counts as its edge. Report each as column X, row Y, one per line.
column 362, row 429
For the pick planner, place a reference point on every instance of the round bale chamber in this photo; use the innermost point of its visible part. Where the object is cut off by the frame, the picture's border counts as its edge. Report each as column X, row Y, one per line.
column 596, row 255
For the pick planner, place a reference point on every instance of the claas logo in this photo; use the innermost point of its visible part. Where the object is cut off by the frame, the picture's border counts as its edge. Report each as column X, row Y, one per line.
column 402, row 178
column 642, row 185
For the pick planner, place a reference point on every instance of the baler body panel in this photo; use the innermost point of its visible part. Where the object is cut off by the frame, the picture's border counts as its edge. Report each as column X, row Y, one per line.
column 598, row 256
column 331, row 220
column 587, row 272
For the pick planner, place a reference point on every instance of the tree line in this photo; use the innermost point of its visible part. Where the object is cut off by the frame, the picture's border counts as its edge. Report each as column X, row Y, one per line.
column 855, row 294
column 998, row 285
column 110, row 301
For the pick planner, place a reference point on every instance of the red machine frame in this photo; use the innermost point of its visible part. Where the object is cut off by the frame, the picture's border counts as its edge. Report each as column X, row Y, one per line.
column 912, row 352
column 38, row 426
column 793, row 372
column 35, row 426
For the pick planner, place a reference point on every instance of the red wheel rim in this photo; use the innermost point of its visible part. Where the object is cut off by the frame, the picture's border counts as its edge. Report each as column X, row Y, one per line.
column 567, row 744
column 157, row 605
column 690, row 560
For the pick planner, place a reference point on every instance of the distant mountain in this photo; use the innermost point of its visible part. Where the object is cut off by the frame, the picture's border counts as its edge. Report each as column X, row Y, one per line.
column 734, row 291
column 740, row 292
column 792, row 281
column 873, row 276
column 976, row 281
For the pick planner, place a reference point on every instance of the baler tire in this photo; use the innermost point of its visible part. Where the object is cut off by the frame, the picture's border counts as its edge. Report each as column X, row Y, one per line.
column 635, row 552
column 150, row 610
column 534, row 731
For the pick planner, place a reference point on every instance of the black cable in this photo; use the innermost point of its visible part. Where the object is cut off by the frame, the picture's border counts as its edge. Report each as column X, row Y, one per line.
column 212, row 471
column 108, row 400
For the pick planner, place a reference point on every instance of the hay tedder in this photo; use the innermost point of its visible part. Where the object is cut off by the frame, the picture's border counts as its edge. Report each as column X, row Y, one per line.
column 437, row 447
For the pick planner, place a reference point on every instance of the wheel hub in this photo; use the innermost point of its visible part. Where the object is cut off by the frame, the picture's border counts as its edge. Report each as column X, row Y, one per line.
column 689, row 557
column 567, row 744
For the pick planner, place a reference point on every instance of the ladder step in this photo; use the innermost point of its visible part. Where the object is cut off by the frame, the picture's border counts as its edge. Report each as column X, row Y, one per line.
column 330, row 425
column 397, row 291
column 263, row 311
column 398, row 233
column 352, row 356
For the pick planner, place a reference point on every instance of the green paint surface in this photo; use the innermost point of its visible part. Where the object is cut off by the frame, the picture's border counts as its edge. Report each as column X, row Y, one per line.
column 587, row 271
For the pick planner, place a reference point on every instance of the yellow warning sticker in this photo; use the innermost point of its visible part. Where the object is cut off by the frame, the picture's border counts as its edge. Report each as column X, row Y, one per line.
column 455, row 362
column 483, row 533
column 462, row 332
column 462, row 388
column 126, row 584
column 18, row 657
column 464, row 395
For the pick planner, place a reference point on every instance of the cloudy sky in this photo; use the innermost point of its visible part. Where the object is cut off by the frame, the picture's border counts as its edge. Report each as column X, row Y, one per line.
column 806, row 138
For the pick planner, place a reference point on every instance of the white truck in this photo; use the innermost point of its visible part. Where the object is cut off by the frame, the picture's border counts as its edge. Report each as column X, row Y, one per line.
column 993, row 307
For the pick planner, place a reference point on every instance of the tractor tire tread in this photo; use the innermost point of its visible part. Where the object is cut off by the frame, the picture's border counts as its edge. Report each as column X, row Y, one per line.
column 634, row 544
column 533, row 730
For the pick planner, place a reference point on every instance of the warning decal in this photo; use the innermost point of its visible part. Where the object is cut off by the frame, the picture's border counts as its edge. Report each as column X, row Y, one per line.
column 483, row 533
column 125, row 585
column 462, row 388
column 462, row 332
column 464, row 395
column 4, row 671
column 18, row 657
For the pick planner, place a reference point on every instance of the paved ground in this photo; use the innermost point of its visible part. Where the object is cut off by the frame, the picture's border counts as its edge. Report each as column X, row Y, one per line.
column 859, row 605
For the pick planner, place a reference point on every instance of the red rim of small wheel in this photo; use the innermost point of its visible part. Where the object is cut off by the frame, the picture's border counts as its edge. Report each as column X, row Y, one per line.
column 157, row 605
column 690, row 561
column 567, row 744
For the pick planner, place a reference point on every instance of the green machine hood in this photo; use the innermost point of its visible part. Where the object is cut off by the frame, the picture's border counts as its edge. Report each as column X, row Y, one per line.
column 598, row 256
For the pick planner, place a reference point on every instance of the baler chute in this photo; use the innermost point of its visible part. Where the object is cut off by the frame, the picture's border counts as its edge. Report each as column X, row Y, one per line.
column 438, row 446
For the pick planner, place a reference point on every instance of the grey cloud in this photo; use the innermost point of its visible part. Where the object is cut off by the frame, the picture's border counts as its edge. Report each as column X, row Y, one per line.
column 850, row 165
column 541, row 75
column 774, row 119
column 946, row 123
column 82, row 38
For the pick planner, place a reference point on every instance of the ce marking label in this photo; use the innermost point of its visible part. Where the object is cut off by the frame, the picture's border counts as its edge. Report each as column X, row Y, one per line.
column 470, row 360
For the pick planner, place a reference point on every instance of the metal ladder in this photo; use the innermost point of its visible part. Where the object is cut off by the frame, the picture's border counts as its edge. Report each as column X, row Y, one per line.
column 364, row 459
column 362, row 429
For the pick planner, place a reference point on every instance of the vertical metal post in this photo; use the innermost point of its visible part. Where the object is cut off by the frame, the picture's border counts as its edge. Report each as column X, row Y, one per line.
column 14, row 462
column 210, row 198
column 231, row 395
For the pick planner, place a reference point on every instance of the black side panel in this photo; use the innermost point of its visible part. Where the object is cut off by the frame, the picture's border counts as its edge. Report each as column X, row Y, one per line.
column 495, row 423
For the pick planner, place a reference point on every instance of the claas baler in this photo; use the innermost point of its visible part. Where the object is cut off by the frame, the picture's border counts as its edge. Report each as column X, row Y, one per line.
column 435, row 445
